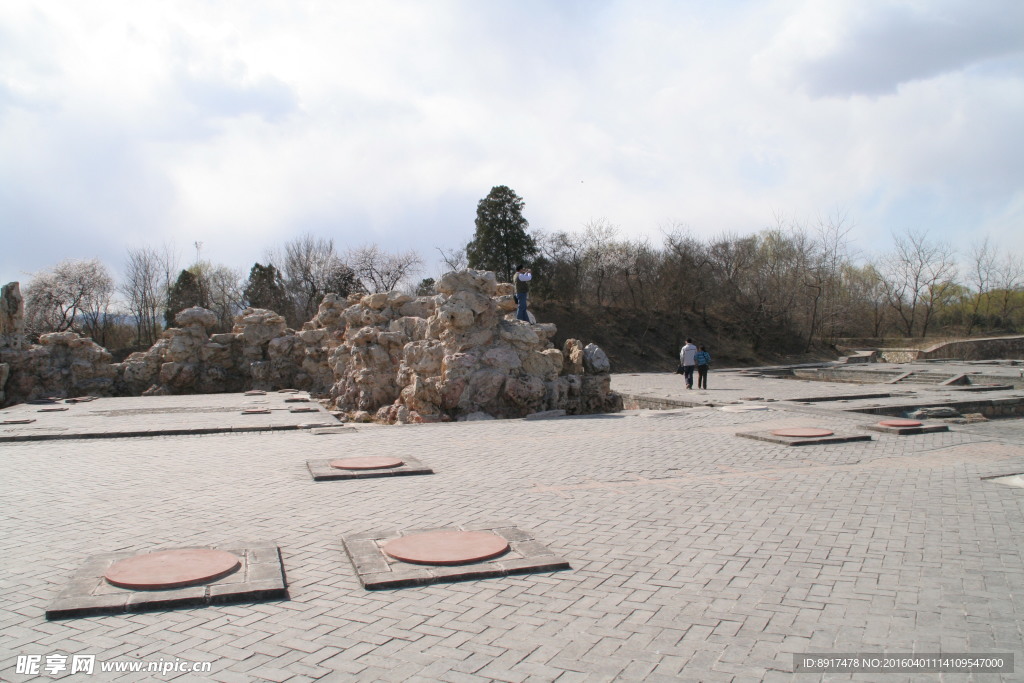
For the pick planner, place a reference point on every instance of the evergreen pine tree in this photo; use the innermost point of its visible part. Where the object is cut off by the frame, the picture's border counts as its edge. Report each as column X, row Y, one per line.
column 186, row 292
column 501, row 241
column 266, row 289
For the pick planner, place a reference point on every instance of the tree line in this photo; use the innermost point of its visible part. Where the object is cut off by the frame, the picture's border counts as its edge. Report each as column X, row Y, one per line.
column 790, row 284
column 81, row 295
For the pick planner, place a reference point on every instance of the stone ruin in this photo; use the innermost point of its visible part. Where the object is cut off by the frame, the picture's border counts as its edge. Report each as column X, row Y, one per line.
column 387, row 357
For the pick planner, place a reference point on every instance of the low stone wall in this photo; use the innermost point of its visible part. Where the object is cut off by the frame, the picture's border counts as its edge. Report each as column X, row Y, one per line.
column 1006, row 348
column 899, row 355
column 635, row 402
column 993, row 408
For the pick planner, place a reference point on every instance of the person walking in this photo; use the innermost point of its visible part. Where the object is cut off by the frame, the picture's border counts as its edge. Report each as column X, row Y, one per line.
column 686, row 358
column 703, row 360
column 522, row 279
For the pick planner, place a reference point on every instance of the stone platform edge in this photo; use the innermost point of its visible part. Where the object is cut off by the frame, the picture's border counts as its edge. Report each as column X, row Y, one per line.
column 377, row 572
column 321, row 470
column 261, row 577
column 157, row 432
column 804, row 441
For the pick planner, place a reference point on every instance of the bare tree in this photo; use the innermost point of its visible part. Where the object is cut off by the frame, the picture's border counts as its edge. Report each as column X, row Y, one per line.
column 224, row 288
column 982, row 272
column 148, row 277
column 598, row 237
column 1009, row 282
column 918, row 274
column 687, row 272
column 381, row 271
column 832, row 253
column 454, row 259
column 75, row 295
column 311, row 269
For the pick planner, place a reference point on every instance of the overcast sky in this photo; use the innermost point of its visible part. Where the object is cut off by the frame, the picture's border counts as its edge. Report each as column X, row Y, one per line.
column 242, row 124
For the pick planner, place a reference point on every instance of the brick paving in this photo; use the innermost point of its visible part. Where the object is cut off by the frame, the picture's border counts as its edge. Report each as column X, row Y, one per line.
column 694, row 554
column 160, row 416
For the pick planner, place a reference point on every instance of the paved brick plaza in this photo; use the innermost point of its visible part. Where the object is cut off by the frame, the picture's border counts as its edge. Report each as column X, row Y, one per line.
column 695, row 554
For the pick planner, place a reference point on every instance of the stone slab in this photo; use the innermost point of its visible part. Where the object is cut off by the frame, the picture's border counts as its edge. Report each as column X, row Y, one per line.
column 907, row 431
column 837, row 437
column 376, row 570
column 260, row 577
column 321, row 470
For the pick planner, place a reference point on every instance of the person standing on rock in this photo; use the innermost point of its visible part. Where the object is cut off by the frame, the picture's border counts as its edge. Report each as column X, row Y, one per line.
column 686, row 358
column 703, row 360
column 522, row 279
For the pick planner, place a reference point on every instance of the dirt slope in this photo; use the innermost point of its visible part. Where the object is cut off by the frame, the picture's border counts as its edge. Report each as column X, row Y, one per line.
column 637, row 342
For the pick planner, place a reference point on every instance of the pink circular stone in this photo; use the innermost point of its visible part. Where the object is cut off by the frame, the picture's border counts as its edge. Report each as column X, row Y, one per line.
column 370, row 462
column 171, row 569
column 803, row 432
column 447, row 547
column 900, row 423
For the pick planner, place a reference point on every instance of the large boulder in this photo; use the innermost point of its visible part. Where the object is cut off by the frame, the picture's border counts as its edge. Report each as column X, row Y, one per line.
column 12, row 316
column 464, row 359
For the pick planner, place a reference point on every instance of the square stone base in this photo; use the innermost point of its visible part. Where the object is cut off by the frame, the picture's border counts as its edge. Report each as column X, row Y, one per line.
column 904, row 431
column 260, row 577
column 804, row 441
column 377, row 570
column 322, row 470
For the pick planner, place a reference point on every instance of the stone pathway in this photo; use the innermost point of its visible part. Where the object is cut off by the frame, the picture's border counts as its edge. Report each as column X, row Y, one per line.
column 694, row 554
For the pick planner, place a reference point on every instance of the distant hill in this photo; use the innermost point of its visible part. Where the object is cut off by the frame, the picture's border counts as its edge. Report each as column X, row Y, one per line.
column 640, row 342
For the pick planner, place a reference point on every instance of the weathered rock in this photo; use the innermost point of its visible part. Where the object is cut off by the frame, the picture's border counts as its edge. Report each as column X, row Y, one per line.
column 572, row 357
column 932, row 413
column 5, row 371
column 385, row 356
column 62, row 364
column 199, row 317
column 12, row 316
column 595, row 361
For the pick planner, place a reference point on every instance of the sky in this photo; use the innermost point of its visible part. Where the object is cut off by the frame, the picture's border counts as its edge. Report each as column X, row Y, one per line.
column 242, row 124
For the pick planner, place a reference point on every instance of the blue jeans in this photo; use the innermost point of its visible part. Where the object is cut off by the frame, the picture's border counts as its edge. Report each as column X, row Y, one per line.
column 521, row 313
column 688, row 375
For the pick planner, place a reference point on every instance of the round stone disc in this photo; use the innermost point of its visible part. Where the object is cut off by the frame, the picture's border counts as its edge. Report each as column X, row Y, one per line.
column 171, row 569
column 370, row 462
column 803, row 432
column 447, row 547
column 901, row 423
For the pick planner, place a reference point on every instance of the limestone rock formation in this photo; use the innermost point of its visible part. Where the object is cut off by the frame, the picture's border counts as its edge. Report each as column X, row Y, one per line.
column 463, row 360
column 62, row 364
column 12, row 317
column 387, row 356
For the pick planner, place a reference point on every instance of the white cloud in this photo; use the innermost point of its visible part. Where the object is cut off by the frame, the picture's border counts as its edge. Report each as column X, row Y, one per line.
column 241, row 124
column 871, row 47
